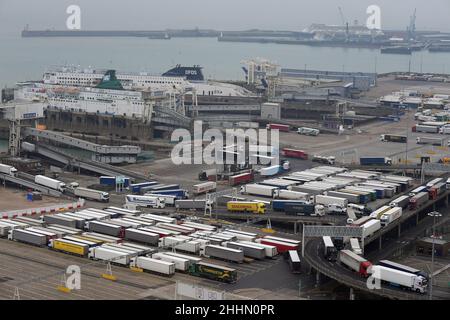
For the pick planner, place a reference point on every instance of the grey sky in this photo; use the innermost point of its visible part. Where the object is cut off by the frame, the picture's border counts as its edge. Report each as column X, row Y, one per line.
column 217, row 14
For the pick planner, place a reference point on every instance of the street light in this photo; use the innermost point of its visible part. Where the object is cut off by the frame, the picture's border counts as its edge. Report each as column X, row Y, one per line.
column 435, row 215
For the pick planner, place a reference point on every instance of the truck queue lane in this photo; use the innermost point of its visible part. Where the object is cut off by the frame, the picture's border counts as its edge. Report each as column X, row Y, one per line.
column 349, row 278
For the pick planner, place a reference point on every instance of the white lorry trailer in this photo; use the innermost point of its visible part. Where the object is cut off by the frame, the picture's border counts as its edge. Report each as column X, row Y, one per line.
column 91, row 194
column 145, row 201
column 400, row 279
column 50, row 183
column 259, row 190
column 153, row 265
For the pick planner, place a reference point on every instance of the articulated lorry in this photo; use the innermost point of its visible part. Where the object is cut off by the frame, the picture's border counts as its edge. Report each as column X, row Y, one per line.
column 91, row 194
column 401, row 279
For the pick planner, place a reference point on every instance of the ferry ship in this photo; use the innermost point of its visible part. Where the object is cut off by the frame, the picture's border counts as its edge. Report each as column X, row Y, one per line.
column 108, row 96
column 187, row 79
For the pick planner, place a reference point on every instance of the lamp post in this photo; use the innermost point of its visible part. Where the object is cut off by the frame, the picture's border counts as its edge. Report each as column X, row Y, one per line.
column 435, row 215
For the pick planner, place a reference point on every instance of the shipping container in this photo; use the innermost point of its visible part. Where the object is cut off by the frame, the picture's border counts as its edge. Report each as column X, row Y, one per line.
column 136, row 187
column 106, row 228
column 259, row 190
column 106, row 254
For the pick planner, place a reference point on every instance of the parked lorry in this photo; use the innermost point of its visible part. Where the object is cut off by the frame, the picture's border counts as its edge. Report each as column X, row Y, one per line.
column 228, row 254
column 181, row 243
column 445, row 130
column 136, row 187
column 246, row 206
column 204, row 187
column 142, row 236
column 145, row 201
column 270, row 251
column 241, row 178
column 379, row 161
column 351, row 198
column 91, row 194
column 109, row 254
column 370, row 227
column 418, row 200
column 281, row 244
column 426, row 129
column 305, row 209
column 250, row 250
column 401, row 279
column 68, row 246
column 27, row 236
column 326, row 200
column 181, row 264
column 153, row 265
column 390, row 216
column 401, row 202
column 106, row 228
column 276, row 126
column 50, row 183
column 8, row 170
column 190, row 204
column 258, row 190
column 393, row 138
column 291, row 195
column 279, row 183
column 432, row 141
column 354, row 262
column 280, row 205
column 294, row 153
column 177, row 193
column 213, row 272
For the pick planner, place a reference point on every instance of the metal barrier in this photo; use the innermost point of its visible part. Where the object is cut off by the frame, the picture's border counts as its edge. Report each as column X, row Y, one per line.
column 42, row 210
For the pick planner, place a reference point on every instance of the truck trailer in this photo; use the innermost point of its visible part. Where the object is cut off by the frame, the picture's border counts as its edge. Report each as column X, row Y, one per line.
column 223, row 253
column 401, row 279
column 258, row 190
column 153, row 265
column 246, row 206
column 250, row 250
column 50, row 183
column 354, row 262
column 213, row 272
column 8, row 170
column 91, row 194
column 418, row 200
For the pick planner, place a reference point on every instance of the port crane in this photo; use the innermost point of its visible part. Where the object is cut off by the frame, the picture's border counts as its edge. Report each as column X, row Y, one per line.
column 412, row 26
column 344, row 23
